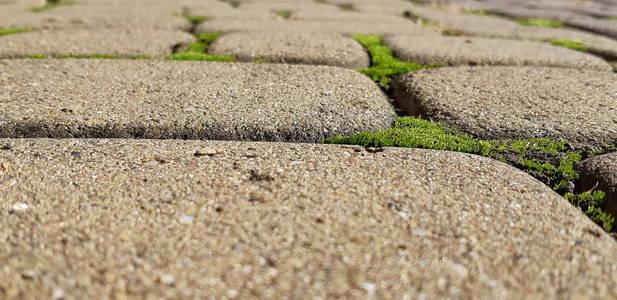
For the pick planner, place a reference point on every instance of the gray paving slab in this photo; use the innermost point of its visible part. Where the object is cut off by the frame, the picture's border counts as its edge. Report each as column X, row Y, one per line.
column 495, row 27
column 600, row 173
column 192, row 219
column 331, row 27
column 123, row 42
column 300, row 48
column 190, row 100
column 578, row 106
column 482, row 51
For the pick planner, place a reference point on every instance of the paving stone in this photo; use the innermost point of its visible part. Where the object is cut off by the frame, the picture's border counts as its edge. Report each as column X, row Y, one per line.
column 301, row 48
column 482, row 51
column 600, row 173
column 100, row 16
column 127, row 42
column 575, row 105
column 397, row 10
column 151, row 219
column 232, row 14
column 347, row 16
column 196, row 100
column 303, row 7
column 494, row 27
column 332, row 27
column 567, row 17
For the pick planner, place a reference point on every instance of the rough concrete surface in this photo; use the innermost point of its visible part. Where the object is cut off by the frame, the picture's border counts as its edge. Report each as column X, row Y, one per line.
column 482, row 51
column 129, row 42
column 600, row 173
column 302, row 48
column 578, row 106
column 189, row 219
column 495, row 27
column 330, row 27
column 201, row 100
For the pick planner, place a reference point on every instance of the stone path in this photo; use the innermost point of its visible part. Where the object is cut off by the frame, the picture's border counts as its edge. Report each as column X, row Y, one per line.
column 128, row 173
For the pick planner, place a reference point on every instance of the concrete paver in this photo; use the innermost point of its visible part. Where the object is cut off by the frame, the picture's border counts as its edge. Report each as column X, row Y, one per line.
column 495, row 27
column 347, row 16
column 331, row 27
column 302, row 48
column 516, row 102
column 600, row 173
column 191, row 219
column 127, row 42
column 482, row 51
column 196, row 100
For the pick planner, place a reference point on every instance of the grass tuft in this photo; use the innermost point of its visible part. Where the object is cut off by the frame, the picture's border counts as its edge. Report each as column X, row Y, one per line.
column 383, row 63
column 197, row 50
column 578, row 46
column 540, row 22
column 550, row 161
column 50, row 5
column 12, row 30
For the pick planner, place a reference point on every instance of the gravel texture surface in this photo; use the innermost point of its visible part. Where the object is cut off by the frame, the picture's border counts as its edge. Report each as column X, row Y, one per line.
column 190, row 219
column 195, row 100
column 578, row 106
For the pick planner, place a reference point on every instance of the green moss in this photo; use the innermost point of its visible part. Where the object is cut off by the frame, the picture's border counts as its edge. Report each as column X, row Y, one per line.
column 610, row 19
column 383, row 63
column 50, row 5
column 591, row 202
column 570, row 44
column 89, row 56
column 550, row 161
column 234, row 4
column 260, row 61
column 540, row 22
column 416, row 133
column 198, row 50
column 345, row 7
column 7, row 31
column 196, row 19
column 285, row 14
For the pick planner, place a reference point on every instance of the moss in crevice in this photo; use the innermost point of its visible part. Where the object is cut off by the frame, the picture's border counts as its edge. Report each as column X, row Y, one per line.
column 285, row 14
column 346, row 7
column 609, row 19
column 12, row 30
column 591, row 202
column 198, row 50
column 89, row 56
column 50, row 5
column 234, row 4
column 551, row 162
column 540, row 22
column 383, row 63
column 443, row 30
column 574, row 45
